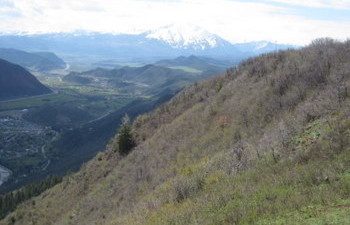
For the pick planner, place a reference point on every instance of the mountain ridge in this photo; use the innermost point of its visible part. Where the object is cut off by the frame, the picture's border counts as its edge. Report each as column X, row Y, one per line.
column 186, row 36
column 161, row 43
column 17, row 82
column 38, row 61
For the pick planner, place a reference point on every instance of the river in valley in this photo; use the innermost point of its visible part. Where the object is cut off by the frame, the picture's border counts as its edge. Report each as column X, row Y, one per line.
column 4, row 174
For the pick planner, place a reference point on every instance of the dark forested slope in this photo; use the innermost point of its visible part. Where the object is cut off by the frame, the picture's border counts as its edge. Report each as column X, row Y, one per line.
column 39, row 61
column 266, row 143
column 15, row 81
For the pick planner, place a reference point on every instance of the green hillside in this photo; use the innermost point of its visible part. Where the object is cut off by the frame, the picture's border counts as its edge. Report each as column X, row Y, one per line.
column 266, row 143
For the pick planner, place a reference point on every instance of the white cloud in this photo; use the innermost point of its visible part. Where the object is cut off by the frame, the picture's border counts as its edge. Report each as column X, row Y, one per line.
column 236, row 21
column 338, row 4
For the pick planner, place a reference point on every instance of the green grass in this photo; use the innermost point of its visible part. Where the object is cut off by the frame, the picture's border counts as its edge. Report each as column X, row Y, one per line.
column 267, row 194
column 337, row 214
column 285, row 192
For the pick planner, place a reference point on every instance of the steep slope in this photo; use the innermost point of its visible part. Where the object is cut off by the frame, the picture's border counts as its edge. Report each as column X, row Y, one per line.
column 39, row 61
column 266, row 143
column 16, row 82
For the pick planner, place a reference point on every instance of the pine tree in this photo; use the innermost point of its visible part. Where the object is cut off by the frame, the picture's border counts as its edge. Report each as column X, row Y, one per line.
column 125, row 139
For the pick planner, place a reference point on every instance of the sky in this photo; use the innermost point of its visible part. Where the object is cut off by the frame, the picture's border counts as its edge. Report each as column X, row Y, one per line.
column 282, row 21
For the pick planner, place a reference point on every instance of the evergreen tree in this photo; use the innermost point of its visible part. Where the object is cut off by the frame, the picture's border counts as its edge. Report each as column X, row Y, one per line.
column 125, row 139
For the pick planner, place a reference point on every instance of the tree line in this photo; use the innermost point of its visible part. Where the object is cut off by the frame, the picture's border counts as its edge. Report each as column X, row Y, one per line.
column 10, row 200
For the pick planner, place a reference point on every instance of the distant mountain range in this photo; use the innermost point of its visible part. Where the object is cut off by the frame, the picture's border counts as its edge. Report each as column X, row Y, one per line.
column 165, row 42
column 187, row 37
column 38, row 61
column 16, row 82
column 259, row 47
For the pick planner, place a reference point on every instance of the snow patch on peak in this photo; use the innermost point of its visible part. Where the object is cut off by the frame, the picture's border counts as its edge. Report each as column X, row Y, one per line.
column 185, row 36
column 261, row 45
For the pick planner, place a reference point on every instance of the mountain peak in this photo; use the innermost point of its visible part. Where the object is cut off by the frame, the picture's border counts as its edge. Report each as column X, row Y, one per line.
column 185, row 36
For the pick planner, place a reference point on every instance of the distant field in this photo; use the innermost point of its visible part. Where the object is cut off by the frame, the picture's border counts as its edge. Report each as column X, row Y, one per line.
column 91, row 90
column 67, row 87
column 186, row 69
column 24, row 103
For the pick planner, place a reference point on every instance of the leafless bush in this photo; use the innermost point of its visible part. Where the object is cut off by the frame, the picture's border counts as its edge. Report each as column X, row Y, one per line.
column 187, row 186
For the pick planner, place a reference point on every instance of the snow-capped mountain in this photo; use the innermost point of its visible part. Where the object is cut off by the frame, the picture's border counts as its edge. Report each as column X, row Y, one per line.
column 164, row 42
column 258, row 47
column 186, row 36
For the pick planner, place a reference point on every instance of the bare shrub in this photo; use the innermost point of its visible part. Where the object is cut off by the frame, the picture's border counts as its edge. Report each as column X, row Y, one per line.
column 185, row 187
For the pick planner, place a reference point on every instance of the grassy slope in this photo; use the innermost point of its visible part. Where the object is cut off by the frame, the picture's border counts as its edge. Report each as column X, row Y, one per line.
column 268, row 143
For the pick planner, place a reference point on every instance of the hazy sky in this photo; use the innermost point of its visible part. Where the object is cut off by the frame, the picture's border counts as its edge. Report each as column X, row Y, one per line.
column 287, row 21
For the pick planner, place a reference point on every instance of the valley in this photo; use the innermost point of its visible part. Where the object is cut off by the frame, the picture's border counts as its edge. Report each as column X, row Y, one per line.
column 24, row 145
column 31, row 126
column 53, row 133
